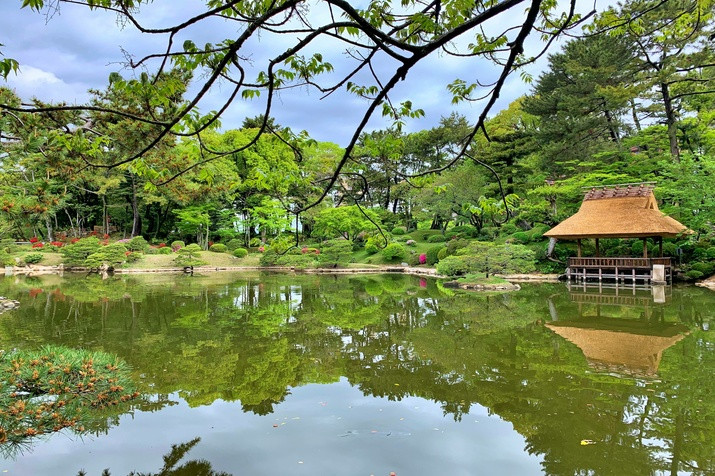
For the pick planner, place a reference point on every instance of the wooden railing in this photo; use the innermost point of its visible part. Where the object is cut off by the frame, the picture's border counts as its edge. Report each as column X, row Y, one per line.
column 593, row 262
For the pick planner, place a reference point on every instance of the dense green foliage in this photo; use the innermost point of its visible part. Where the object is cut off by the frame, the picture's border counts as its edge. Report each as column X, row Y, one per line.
column 631, row 101
column 47, row 390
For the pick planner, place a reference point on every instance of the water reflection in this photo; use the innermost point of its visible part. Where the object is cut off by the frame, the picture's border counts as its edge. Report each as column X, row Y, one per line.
column 528, row 357
column 630, row 344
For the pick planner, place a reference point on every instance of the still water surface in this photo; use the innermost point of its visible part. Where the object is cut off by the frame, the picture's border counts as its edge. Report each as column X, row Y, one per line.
column 301, row 374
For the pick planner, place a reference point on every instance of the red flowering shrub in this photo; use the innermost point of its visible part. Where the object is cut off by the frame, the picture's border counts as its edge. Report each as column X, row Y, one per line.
column 105, row 236
column 58, row 244
column 34, row 239
column 37, row 244
column 423, row 258
column 74, row 240
column 261, row 249
column 162, row 245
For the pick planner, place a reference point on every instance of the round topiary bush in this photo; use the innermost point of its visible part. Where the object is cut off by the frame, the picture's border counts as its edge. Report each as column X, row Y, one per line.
column 138, row 243
column 442, row 254
column 163, row 251
column 32, row 258
column 399, row 230
column 431, row 255
column 234, row 244
column 178, row 244
column 437, row 239
column 521, row 237
column 218, row 248
column 394, row 252
column 452, row 266
column 240, row 252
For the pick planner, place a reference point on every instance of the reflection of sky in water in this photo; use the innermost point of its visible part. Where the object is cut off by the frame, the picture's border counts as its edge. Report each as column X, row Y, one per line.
column 331, row 429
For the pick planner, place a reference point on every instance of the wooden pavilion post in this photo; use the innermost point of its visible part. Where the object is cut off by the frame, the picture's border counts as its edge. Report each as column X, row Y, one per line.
column 578, row 243
column 598, row 249
column 660, row 246
column 645, row 247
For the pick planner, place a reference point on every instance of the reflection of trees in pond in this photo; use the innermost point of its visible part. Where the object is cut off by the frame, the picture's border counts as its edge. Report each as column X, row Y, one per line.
column 173, row 458
column 253, row 338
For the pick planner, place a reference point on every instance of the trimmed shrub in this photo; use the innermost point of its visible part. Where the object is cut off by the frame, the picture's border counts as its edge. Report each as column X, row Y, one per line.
column 6, row 259
column 296, row 261
column 138, row 243
column 218, row 248
column 269, row 258
column 706, row 268
column 394, row 252
column 454, row 245
column 694, row 274
column 109, row 255
column 234, row 244
column 134, row 256
column 240, row 252
column 32, row 258
column 189, row 256
column 255, row 243
column 509, row 229
column 442, row 254
column 453, row 266
column 439, row 238
column 372, row 245
column 399, row 230
column 431, row 255
column 334, row 253
column 466, row 230
column 522, row 237
column 411, row 243
column 74, row 254
column 178, row 244
column 163, row 251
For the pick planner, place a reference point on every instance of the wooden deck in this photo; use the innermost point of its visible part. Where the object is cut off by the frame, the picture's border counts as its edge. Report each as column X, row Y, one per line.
column 616, row 269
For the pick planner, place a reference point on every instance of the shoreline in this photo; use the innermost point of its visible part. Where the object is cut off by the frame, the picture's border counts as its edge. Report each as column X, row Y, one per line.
column 60, row 269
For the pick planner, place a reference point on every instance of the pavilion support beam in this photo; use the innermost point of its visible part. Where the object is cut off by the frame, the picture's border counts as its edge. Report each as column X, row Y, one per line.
column 645, row 247
column 578, row 243
column 598, row 249
column 660, row 246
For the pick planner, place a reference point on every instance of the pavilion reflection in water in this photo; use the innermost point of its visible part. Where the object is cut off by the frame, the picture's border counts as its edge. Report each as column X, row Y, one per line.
column 620, row 330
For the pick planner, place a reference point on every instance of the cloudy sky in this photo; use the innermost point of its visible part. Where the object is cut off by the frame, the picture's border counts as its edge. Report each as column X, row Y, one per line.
column 75, row 49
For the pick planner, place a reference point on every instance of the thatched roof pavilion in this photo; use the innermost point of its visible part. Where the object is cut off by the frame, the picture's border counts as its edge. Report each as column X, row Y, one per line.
column 618, row 211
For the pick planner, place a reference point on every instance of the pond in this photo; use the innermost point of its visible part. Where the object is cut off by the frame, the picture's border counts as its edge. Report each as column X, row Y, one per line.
column 359, row 375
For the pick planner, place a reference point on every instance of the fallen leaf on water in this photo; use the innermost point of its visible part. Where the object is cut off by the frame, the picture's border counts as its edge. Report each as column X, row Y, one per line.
column 275, row 426
column 587, row 442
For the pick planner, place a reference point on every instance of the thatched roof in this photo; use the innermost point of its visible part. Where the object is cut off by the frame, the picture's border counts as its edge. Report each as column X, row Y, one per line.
column 632, row 353
column 620, row 211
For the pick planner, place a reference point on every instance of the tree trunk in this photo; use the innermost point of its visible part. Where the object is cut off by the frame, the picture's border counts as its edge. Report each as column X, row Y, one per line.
column 105, row 217
column 48, row 224
column 671, row 122
column 636, row 121
column 613, row 131
column 137, row 221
